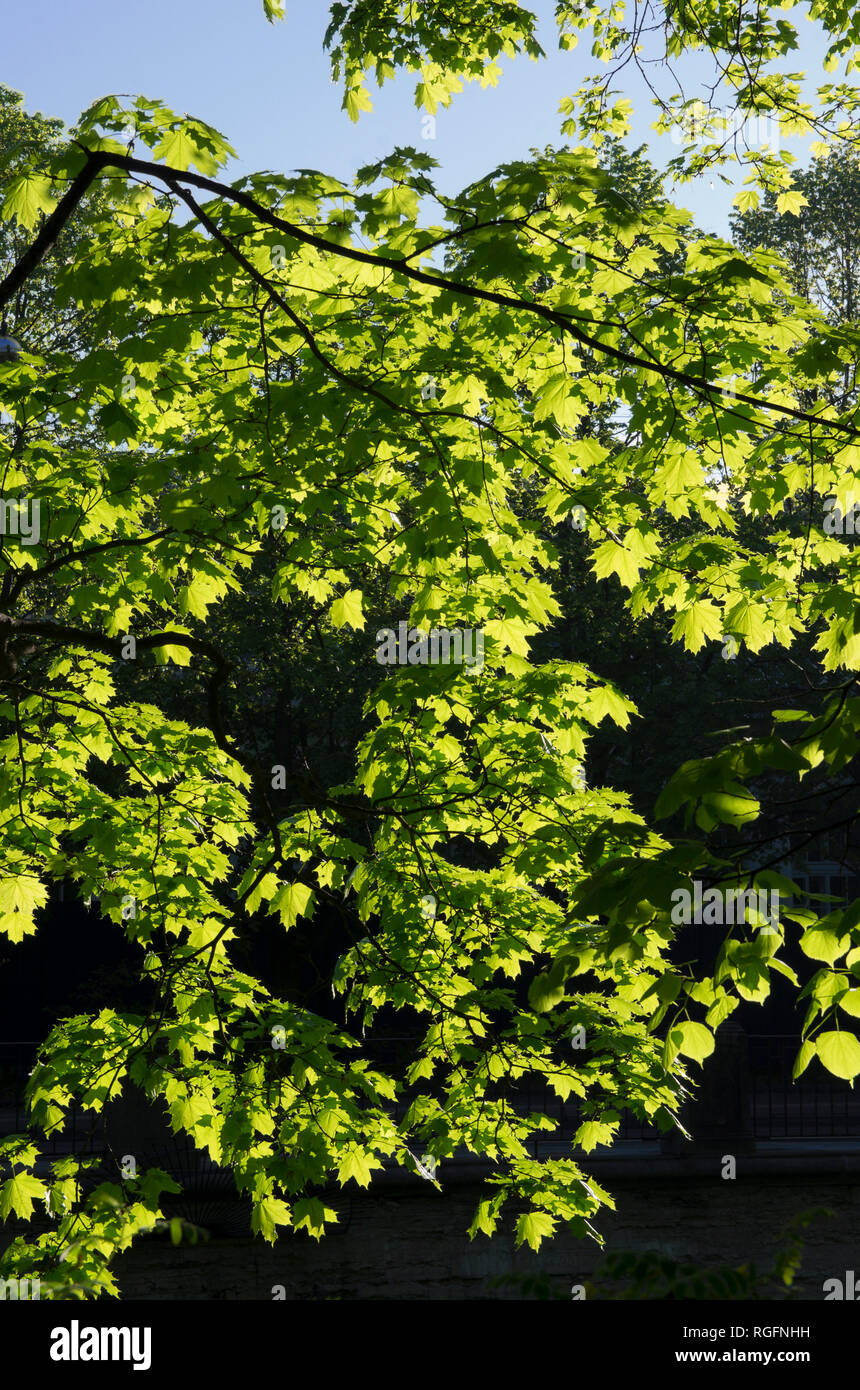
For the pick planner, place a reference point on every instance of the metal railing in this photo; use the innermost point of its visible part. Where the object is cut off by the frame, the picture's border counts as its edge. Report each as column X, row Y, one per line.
column 816, row 1106
column 80, row 1134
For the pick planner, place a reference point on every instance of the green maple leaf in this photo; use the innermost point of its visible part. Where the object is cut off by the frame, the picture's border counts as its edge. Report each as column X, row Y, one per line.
column 555, row 401
column 791, row 202
column 357, row 100
column 27, row 197
column 20, row 897
column 292, row 901
column 510, row 633
column 312, row 1214
column 186, row 1111
column 533, row 1227
column 611, row 558
column 603, row 701
column 696, row 623
column 18, row 1194
column 354, row 1165
column 192, row 142
column 267, row 1214
column 592, row 1133
column 347, row 611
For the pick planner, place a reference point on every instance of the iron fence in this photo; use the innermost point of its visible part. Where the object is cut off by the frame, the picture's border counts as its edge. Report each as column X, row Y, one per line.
column 815, row 1106
column 80, row 1134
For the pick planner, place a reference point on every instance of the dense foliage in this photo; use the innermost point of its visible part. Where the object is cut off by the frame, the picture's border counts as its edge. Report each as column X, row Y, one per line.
column 290, row 413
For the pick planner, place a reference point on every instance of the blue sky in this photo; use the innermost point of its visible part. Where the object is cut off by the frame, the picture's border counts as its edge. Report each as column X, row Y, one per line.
column 268, row 88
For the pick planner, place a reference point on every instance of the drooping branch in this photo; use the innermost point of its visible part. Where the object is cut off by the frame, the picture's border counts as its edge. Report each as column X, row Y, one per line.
column 77, row 556
column 568, row 321
column 52, row 227
column 98, row 641
column 70, row 635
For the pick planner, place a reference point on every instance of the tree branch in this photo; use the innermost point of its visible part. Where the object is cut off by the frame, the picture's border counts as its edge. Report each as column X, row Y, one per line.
column 97, row 161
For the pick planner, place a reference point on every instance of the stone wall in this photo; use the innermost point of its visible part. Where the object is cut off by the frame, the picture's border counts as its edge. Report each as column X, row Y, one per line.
column 410, row 1243
column 405, row 1240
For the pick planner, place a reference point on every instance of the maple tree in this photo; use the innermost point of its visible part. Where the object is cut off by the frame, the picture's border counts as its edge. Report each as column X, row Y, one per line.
column 307, row 400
